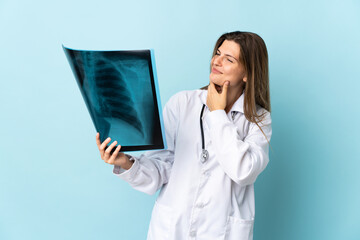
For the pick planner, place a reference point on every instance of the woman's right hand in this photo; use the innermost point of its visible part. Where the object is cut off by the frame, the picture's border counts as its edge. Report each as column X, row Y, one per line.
column 117, row 158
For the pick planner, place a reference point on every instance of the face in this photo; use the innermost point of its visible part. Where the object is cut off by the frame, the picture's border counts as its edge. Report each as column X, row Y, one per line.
column 226, row 66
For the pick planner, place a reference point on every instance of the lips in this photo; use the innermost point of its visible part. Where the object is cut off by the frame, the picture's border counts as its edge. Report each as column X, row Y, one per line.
column 214, row 70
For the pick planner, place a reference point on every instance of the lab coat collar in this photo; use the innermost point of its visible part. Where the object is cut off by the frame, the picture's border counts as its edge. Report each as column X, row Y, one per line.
column 237, row 107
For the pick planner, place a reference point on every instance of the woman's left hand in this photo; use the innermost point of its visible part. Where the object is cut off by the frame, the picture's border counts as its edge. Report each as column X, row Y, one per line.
column 215, row 100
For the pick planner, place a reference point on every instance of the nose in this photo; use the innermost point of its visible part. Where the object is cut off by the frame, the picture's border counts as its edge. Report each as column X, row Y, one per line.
column 217, row 60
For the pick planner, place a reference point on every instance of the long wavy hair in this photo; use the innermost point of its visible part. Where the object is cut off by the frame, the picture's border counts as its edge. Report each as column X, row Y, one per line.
column 254, row 57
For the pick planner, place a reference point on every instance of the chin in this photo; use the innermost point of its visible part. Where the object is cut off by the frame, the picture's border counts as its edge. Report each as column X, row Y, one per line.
column 216, row 81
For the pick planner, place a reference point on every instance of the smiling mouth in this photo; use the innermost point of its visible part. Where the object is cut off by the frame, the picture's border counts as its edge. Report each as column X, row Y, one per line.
column 214, row 70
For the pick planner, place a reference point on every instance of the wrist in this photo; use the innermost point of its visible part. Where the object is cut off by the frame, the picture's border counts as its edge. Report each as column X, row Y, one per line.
column 128, row 163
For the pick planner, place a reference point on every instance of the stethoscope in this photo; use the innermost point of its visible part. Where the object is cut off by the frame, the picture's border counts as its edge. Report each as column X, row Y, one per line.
column 204, row 152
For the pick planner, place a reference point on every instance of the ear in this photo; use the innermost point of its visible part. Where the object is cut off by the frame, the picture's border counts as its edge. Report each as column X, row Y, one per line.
column 244, row 79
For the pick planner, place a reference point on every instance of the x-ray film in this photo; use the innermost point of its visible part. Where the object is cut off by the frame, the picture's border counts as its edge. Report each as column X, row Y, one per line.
column 121, row 94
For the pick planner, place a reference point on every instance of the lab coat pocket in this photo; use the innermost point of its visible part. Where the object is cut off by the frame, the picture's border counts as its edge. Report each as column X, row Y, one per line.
column 161, row 224
column 239, row 229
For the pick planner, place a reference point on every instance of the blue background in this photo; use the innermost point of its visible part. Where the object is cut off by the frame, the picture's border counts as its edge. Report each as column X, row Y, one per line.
column 53, row 184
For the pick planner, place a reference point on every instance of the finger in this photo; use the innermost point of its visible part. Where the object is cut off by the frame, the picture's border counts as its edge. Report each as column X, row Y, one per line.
column 108, row 150
column 225, row 88
column 98, row 143
column 103, row 145
column 114, row 155
column 211, row 87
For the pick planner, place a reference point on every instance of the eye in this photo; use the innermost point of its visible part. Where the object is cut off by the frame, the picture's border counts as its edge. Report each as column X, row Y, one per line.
column 217, row 52
column 230, row 60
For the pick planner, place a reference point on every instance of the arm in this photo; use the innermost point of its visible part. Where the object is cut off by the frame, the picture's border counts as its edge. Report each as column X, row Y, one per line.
column 241, row 160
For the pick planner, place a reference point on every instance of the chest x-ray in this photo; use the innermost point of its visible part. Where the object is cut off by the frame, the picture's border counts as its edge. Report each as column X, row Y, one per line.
column 121, row 94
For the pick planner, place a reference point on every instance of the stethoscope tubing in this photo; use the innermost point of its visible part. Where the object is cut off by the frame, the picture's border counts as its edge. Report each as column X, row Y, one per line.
column 204, row 152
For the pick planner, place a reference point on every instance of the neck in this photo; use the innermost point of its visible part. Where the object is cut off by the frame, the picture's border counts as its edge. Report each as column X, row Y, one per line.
column 232, row 96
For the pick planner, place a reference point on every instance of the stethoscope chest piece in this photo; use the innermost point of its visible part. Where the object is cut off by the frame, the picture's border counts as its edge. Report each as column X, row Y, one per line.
column 204, row 155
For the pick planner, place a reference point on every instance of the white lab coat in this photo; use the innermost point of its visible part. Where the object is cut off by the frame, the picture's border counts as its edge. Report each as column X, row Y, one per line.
column 206, row 201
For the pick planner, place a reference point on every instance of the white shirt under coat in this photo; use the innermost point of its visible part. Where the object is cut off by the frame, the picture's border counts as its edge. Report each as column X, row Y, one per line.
column 206, row 201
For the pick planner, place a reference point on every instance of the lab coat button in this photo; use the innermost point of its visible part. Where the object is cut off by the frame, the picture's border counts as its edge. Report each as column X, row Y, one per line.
column 206, row 173
column 200, row 205
column 192, row 233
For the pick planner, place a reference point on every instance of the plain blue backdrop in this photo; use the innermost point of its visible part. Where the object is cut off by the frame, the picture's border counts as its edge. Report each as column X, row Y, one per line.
column 53, row 184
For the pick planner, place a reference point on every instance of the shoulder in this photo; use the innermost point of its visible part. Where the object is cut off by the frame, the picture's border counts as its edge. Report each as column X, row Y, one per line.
column 262, row 129
column 265, row 116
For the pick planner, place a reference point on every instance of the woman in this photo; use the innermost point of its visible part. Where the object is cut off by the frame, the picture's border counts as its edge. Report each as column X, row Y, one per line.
column 207, row 174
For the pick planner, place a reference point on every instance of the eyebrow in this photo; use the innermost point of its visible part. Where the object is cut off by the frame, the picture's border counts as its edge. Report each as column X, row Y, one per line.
column 228, row 55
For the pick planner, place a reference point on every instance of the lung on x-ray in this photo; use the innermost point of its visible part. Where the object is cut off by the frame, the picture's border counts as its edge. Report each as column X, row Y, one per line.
column 121, row 94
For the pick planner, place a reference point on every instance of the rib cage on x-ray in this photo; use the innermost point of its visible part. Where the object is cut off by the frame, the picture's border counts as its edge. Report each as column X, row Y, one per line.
column 114, row 97
column 119, row 91
column 113, row 85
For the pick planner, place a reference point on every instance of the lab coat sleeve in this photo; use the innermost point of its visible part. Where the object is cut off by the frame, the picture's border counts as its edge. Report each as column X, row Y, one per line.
column 151, row 170
column 241, row 159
